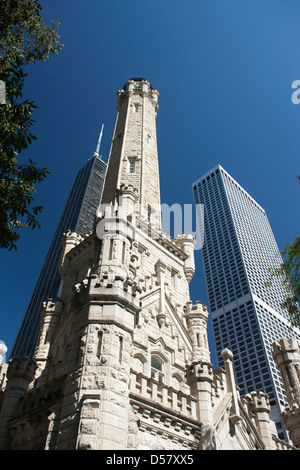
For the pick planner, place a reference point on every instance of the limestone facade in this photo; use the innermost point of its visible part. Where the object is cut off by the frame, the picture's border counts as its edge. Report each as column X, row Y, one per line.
column 122, row 360
column 286, row 354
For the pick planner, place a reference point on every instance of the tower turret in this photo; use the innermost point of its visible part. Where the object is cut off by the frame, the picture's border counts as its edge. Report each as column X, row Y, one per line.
column 50, row 316
column 133, row 154
column 286, row 354
column 200, row 370
column 187, row 243
column 19, row 375
column 258, row 404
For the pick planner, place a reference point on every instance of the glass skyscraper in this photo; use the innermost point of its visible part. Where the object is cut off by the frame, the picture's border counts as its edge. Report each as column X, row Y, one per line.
column 246, row 315
column 78, row 215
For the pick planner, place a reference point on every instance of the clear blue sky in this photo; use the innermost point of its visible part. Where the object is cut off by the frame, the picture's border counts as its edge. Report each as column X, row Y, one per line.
column 224, row 71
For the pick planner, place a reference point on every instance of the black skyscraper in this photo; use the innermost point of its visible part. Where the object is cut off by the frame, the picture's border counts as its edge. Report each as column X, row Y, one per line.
column 78, row 215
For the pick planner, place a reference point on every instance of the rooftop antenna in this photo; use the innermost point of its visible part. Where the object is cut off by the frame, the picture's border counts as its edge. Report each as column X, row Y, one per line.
column 99, row 142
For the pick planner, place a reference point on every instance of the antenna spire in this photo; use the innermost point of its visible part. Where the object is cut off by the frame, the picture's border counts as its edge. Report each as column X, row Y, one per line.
column 99, row 142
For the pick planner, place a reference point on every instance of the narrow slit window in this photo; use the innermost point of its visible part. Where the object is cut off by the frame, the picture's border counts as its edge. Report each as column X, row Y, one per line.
column 173, row 279
column 123, row 252
column 131, row 166
column 111, row 247
column 120, row 348
column 99, row 347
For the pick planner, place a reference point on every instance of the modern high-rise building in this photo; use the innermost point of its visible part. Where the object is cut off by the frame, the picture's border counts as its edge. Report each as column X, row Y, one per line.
column 238, row 251
column 78, row 215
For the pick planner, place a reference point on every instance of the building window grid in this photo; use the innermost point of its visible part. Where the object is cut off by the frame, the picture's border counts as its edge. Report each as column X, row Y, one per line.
column 246, row 344
column 247, row 347
column 263, row 246
column 224, row 260
column 212, row 238
column 253, row 366
column 272, row 330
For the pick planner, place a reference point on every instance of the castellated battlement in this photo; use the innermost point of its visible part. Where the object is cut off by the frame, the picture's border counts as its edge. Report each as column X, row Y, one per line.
column 197, row 309
column 72, row 239
column 186, row 236
column 257, row 402
column 139, row 86
column 48, row 305
column 286, row 354
column 285, row 346
column 22, row 368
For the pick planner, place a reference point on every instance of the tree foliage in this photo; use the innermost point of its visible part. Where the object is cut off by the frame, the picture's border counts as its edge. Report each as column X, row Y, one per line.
column 17, row 180
column 23, row 34
column 290, row 273
column 24, row 38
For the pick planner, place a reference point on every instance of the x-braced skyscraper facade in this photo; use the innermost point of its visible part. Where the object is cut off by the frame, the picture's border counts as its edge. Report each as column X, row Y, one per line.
column 78, row 215
column 239, row 248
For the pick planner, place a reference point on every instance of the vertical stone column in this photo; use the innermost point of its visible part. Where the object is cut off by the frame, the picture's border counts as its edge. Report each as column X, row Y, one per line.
column 200, row 371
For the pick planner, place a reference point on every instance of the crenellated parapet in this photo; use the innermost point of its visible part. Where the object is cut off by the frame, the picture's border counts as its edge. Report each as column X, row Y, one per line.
column 291, row 418
column 286, row 354
column 22, row 371
column 70, row 240
column 139, row 86
column 103, row 286
column 257, row 402
column 50, row 317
